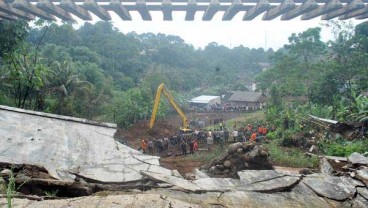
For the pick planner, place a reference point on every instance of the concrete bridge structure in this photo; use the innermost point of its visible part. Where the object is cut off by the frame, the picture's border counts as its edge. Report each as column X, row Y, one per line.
column 269, row 9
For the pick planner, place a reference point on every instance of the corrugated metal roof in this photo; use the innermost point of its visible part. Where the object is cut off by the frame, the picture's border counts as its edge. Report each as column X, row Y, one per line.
column 247, row 96
column 66, row 146
column 203, row 99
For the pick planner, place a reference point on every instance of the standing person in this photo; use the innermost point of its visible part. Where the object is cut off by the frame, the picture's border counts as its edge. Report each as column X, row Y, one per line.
column 209, row 142
column 166, row 143
column 183, row 147
column 191, row 146
column 143, row 146
column 150, row 146
column 253, row 138
column 235, row 135
column 226, row 135
column 195, row 145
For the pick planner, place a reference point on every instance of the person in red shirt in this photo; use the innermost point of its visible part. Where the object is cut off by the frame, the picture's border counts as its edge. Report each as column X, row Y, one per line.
column 195, row 146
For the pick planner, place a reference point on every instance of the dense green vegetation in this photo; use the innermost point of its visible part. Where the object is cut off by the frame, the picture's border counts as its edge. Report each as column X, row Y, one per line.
column 98, row 72
column 329, row 80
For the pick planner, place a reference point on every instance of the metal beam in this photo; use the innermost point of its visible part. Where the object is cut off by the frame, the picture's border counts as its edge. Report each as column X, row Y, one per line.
column 332, row 5
column 70, row 6
column 25, row 6
column 308, row 6
column 355, row 13
column 352, row 6
column 261, row 6
column 232, row 10
column 362, row 16
column 191, row 10
column 6, row 8
column 119, row 9
column 49, row 7
column 286, row 6
column 211, row 10
column 7, row 16
column 143, row 11
column 100, row 12
column 167, row 10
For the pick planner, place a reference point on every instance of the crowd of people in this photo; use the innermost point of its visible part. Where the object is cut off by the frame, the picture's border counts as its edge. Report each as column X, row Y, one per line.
column 188, row 143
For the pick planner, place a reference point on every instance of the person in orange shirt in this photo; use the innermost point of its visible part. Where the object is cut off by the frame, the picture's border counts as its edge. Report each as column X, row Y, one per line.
column 253, row 137
column 143, row 145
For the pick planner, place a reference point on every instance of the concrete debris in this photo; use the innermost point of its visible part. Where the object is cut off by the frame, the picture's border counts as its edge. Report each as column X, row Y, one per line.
column 69, row 148
column 240, row 156
column 325, row 167
column 358, row 159
column 363, row 192
column 329, row 186
column 362, row 175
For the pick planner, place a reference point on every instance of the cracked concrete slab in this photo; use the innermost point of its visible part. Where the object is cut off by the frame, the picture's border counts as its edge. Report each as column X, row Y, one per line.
column 330, row 186
column 65, row 145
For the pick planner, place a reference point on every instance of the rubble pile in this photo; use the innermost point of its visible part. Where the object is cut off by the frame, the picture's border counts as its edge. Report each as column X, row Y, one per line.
column 240, row 156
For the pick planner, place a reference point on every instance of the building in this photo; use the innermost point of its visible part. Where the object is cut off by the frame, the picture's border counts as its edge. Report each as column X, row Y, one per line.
column 246, row 100
column 205, row 102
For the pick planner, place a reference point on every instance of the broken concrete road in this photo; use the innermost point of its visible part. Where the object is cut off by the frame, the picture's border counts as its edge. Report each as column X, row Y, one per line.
column 68, row 147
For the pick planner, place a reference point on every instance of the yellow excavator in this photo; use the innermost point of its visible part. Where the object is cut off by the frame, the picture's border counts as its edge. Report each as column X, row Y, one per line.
column 162, row 89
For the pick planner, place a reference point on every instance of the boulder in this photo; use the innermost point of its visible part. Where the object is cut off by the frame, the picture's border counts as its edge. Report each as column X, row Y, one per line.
column 234, row 147
column 358, row 159
column 227, row 164
column 240, row 156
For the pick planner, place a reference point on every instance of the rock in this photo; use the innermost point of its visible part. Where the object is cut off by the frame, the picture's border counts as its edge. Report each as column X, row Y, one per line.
column 252, row 156
column 325, row 167
column 179, row 182
column 362, row 175
column 305, row 171
column 363, row 192
column 301, row 188
column 239, row 150
column 200, row 174
column 360, row 202
column 233, row 147
column 226, row 171
column 358, row 159
column 216, row 184
column 227, row 163
column 5, row 173
column 128, row 200
column 253, row 176
column 273, row 185
column 329, row 186
column 352, row 181
column 176, row 173
column 313, row 149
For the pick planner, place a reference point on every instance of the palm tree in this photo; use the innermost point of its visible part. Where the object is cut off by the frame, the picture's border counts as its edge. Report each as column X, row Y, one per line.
column 67, row 85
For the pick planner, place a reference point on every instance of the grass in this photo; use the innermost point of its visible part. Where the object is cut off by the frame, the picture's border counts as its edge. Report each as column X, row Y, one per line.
column 208, row 156
column 10, row 190
column 252, row 117
column 290, row 157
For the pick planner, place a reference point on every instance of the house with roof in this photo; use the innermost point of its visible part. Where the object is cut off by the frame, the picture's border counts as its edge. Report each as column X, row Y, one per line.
column 205, row 102
column 246, row 100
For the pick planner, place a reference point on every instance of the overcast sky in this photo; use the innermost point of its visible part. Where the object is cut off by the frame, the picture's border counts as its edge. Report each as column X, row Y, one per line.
column 254, row 34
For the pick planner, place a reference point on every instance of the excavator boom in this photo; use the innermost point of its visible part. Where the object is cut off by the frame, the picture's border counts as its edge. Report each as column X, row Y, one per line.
column 162, row 89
